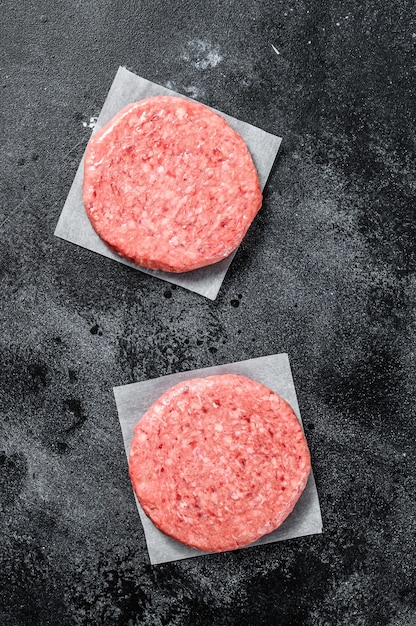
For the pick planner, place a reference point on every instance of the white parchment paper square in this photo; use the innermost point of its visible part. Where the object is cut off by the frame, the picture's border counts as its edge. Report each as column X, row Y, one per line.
column 74, row 226
column 274, row 371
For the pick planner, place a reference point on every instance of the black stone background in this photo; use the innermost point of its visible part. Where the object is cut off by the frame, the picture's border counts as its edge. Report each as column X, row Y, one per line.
column 326, row 273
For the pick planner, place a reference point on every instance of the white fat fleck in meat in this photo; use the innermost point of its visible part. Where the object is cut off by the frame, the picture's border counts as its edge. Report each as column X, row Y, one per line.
column 181, row 113
column 141, row 436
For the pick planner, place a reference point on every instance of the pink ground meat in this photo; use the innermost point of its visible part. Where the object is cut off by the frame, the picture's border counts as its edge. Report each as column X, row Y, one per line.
column 218, row 462
column 169, row 185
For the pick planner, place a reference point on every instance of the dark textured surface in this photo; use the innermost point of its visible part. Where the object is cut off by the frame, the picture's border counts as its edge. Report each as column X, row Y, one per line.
column 326, row 273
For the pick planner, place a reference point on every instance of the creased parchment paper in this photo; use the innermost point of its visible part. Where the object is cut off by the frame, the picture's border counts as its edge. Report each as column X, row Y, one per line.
column 274, row 371
column 74, row 226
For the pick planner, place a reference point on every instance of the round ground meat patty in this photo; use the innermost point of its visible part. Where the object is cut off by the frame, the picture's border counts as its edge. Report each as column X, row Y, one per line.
column 169, row 185
column 218, row 462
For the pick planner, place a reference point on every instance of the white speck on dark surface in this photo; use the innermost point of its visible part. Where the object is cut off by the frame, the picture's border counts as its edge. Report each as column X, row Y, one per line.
column 91, row 123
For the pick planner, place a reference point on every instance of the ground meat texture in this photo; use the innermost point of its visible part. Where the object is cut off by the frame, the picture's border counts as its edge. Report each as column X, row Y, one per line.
column 218, row 462
column 169, row 185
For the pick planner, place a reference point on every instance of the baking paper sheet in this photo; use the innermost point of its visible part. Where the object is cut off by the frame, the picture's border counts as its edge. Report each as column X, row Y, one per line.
column 273, row 371
column 74, row 225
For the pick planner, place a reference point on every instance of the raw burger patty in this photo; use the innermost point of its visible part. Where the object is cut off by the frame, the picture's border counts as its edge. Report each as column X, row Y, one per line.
column 218, row 462
column 170, row 185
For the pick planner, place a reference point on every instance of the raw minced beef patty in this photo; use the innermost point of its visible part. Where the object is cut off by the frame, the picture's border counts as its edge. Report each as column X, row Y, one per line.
column 218, row 462
column 169, row 185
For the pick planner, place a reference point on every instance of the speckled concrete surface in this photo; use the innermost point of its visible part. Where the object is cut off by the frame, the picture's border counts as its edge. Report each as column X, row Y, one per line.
column 326, row 274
